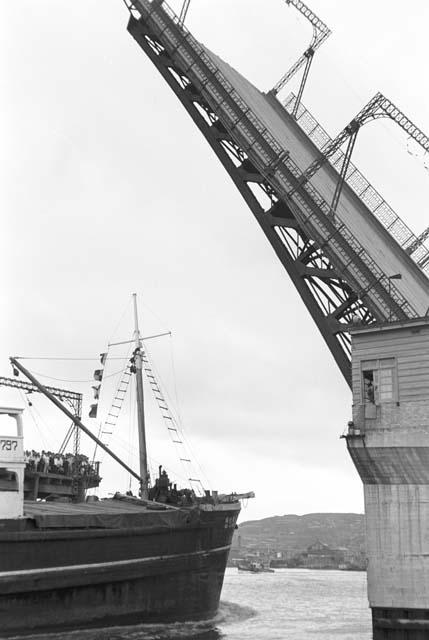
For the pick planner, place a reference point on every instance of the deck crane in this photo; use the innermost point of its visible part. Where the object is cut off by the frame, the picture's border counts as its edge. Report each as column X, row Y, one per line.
column 378, row 107
column 320, row 33
column 73, row 399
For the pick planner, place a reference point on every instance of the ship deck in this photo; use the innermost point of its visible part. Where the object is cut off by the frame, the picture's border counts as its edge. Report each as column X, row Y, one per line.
column 109, row 513
column 112, row 562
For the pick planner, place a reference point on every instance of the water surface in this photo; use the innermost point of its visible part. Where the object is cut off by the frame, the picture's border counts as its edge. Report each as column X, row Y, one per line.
column 290, row 604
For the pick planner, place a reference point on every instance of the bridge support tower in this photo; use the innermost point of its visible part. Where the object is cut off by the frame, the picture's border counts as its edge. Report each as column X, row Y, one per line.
column 388, row 441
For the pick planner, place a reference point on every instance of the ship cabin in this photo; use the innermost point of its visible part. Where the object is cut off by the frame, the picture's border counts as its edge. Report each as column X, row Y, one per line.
column 12, row 463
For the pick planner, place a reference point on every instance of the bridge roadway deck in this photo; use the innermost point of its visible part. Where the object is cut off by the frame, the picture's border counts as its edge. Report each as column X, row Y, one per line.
column 371, row 234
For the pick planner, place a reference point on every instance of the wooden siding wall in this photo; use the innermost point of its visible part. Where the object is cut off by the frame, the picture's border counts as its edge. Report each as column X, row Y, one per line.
column 410, row 347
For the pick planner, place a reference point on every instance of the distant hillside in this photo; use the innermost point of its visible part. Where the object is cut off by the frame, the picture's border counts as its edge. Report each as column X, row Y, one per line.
column 298, row 532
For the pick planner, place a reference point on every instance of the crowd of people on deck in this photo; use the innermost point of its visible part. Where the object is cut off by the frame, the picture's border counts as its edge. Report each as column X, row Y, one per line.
column 60, row 463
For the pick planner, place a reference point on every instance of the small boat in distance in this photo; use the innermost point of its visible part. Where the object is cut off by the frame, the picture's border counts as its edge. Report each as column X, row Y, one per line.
column 122, row 560
column 254, row 567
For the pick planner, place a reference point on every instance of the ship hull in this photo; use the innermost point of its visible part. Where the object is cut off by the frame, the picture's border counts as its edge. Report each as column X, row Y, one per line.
column 185, row 587
column 122, row 576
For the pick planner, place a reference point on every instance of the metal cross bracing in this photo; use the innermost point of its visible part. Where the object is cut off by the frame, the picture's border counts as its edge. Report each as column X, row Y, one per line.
column 75, row 432
column 418, row 243
column 320, row 33
column 334, row 276
column 378, row 107
column 372, row 199
column 73, row 399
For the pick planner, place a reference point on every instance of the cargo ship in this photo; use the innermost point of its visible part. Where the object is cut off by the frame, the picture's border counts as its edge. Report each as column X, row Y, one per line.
column 156, row 558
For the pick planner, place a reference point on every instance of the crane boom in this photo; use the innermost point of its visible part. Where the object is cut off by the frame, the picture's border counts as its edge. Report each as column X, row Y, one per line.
column 75, row 419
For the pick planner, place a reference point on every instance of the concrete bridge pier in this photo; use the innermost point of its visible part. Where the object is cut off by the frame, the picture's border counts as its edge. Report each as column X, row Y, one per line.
column 388, row 441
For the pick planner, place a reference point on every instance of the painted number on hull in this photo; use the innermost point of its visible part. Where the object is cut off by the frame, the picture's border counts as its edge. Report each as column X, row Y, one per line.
column 8, row 445
column 229, row 522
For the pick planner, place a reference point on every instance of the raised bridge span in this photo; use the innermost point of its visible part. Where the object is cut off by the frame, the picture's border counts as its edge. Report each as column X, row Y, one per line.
column 360, row 271
column 341, row 262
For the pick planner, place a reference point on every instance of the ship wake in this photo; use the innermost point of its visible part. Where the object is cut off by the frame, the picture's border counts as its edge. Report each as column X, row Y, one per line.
column 229, row 613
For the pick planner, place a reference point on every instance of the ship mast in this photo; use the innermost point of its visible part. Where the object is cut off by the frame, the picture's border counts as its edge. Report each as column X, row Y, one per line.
column 144, row 474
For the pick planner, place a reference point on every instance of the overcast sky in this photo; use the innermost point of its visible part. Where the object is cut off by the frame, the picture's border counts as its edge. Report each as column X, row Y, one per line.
column 108, row 188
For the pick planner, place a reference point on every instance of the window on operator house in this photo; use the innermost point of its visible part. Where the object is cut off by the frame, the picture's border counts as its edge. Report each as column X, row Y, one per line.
column 379, row 381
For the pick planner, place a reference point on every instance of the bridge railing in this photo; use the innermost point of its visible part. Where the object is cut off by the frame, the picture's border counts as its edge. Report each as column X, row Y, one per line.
column 360, row 185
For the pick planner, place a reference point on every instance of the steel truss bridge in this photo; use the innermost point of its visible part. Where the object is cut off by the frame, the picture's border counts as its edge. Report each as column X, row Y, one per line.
column 324, row 228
